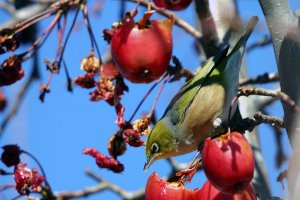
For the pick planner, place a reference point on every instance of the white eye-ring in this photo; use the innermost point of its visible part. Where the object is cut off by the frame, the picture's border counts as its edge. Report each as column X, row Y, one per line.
column 154, row 148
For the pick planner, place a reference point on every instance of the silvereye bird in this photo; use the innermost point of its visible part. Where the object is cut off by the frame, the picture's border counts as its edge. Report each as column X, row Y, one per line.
column 205, row 99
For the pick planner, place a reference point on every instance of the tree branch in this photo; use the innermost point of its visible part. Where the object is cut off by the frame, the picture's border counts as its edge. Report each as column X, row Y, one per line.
column 24, row 13
column 209, row 40
column 103, row 185
column 284, row 29
column 264, row 78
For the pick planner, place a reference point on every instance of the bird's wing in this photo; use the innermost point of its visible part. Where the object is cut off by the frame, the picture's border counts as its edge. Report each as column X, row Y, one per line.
column 182, row 100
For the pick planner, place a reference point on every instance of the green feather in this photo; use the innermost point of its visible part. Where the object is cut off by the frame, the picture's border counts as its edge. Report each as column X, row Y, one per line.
column 183, row 99
column 210, row 73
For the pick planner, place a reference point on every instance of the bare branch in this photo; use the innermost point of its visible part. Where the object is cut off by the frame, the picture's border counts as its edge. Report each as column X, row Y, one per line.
column 178, row 21
column 24, row 13
column 266, row 40
column 210, row 40
column 7, row 7
column 264, row 78
column 284, row 28
column 288, row 101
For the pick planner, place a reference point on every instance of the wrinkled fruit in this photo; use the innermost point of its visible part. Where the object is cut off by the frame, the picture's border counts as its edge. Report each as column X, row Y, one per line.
column 142, row 51
column 228, row 162
column 175, row 5
column 159, row 189
column 209, row 192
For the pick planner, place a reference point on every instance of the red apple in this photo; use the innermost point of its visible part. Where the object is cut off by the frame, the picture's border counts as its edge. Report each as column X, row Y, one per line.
column 142, row 51
column 159, row 189
column 228, row 162
column 209, row 192
column 172, row 4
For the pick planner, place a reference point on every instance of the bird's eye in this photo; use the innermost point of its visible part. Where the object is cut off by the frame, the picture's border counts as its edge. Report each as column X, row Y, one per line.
column 154, row 148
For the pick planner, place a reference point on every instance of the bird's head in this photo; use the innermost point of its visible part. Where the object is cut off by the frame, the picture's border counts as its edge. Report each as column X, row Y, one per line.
column 160, row 143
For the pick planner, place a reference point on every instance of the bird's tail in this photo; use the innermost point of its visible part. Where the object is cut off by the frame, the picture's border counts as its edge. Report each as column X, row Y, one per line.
column 246, row 34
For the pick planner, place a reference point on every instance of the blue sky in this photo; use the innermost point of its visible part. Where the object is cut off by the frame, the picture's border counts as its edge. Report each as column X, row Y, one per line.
column 56, row 131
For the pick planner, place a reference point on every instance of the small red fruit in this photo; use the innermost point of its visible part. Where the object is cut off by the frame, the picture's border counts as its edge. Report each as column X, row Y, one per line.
column 175, row 5
column 209, row 192
column 159, row 189
column 142, row 51
column 228, row 162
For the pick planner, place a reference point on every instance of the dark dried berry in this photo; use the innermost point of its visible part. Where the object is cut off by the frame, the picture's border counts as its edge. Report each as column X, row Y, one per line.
column 11, row 155
column 86, row 81
column 8, row 41
column 11, row 70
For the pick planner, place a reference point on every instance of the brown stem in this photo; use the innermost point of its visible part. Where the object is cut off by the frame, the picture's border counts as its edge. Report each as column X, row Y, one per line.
column 177, row 20
column 261, row 79
column 271, row 93
column 46, row 32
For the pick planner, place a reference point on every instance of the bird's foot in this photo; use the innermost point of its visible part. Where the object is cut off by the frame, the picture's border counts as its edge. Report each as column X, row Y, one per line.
column 188, row 174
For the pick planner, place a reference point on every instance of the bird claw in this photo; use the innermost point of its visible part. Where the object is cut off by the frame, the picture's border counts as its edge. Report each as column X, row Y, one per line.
column 188, row 174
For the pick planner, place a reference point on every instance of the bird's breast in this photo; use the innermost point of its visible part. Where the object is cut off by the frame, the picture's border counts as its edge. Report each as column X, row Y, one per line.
column 198, row 122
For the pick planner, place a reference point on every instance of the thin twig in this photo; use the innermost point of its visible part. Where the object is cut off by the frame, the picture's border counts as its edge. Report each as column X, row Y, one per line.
column 261, row 79
column 158, row 94
column 103, row 185
column 266, row 40
column 271, row 93
column 145, row 97
column 178, row 21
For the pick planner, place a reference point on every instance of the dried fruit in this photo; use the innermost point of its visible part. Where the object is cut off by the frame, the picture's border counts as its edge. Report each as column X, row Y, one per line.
column 116, row 145
column 11, row 70
column 86, row 81
column 3, row 101
column 11, row 155
column 8, row 41
column 234, row 154
column 104, row 161
column 90, row 64
column 27, row 179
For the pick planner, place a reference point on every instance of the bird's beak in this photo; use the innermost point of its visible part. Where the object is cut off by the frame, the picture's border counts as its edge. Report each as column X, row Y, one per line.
column 149, row 161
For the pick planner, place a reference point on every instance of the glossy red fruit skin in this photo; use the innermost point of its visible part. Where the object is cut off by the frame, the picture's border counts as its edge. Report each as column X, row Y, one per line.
column 142, row 55
column 209, row 192
column 174, row 5
column 159, row 189
column 228, row 162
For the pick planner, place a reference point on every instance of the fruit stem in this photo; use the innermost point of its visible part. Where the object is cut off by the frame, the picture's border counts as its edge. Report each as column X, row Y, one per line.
column 144, row 22
column 91, row 33
column 166, row 77
column 145, row 97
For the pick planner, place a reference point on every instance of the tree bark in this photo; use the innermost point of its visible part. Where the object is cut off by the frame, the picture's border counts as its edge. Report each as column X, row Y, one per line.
column 284, row 29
